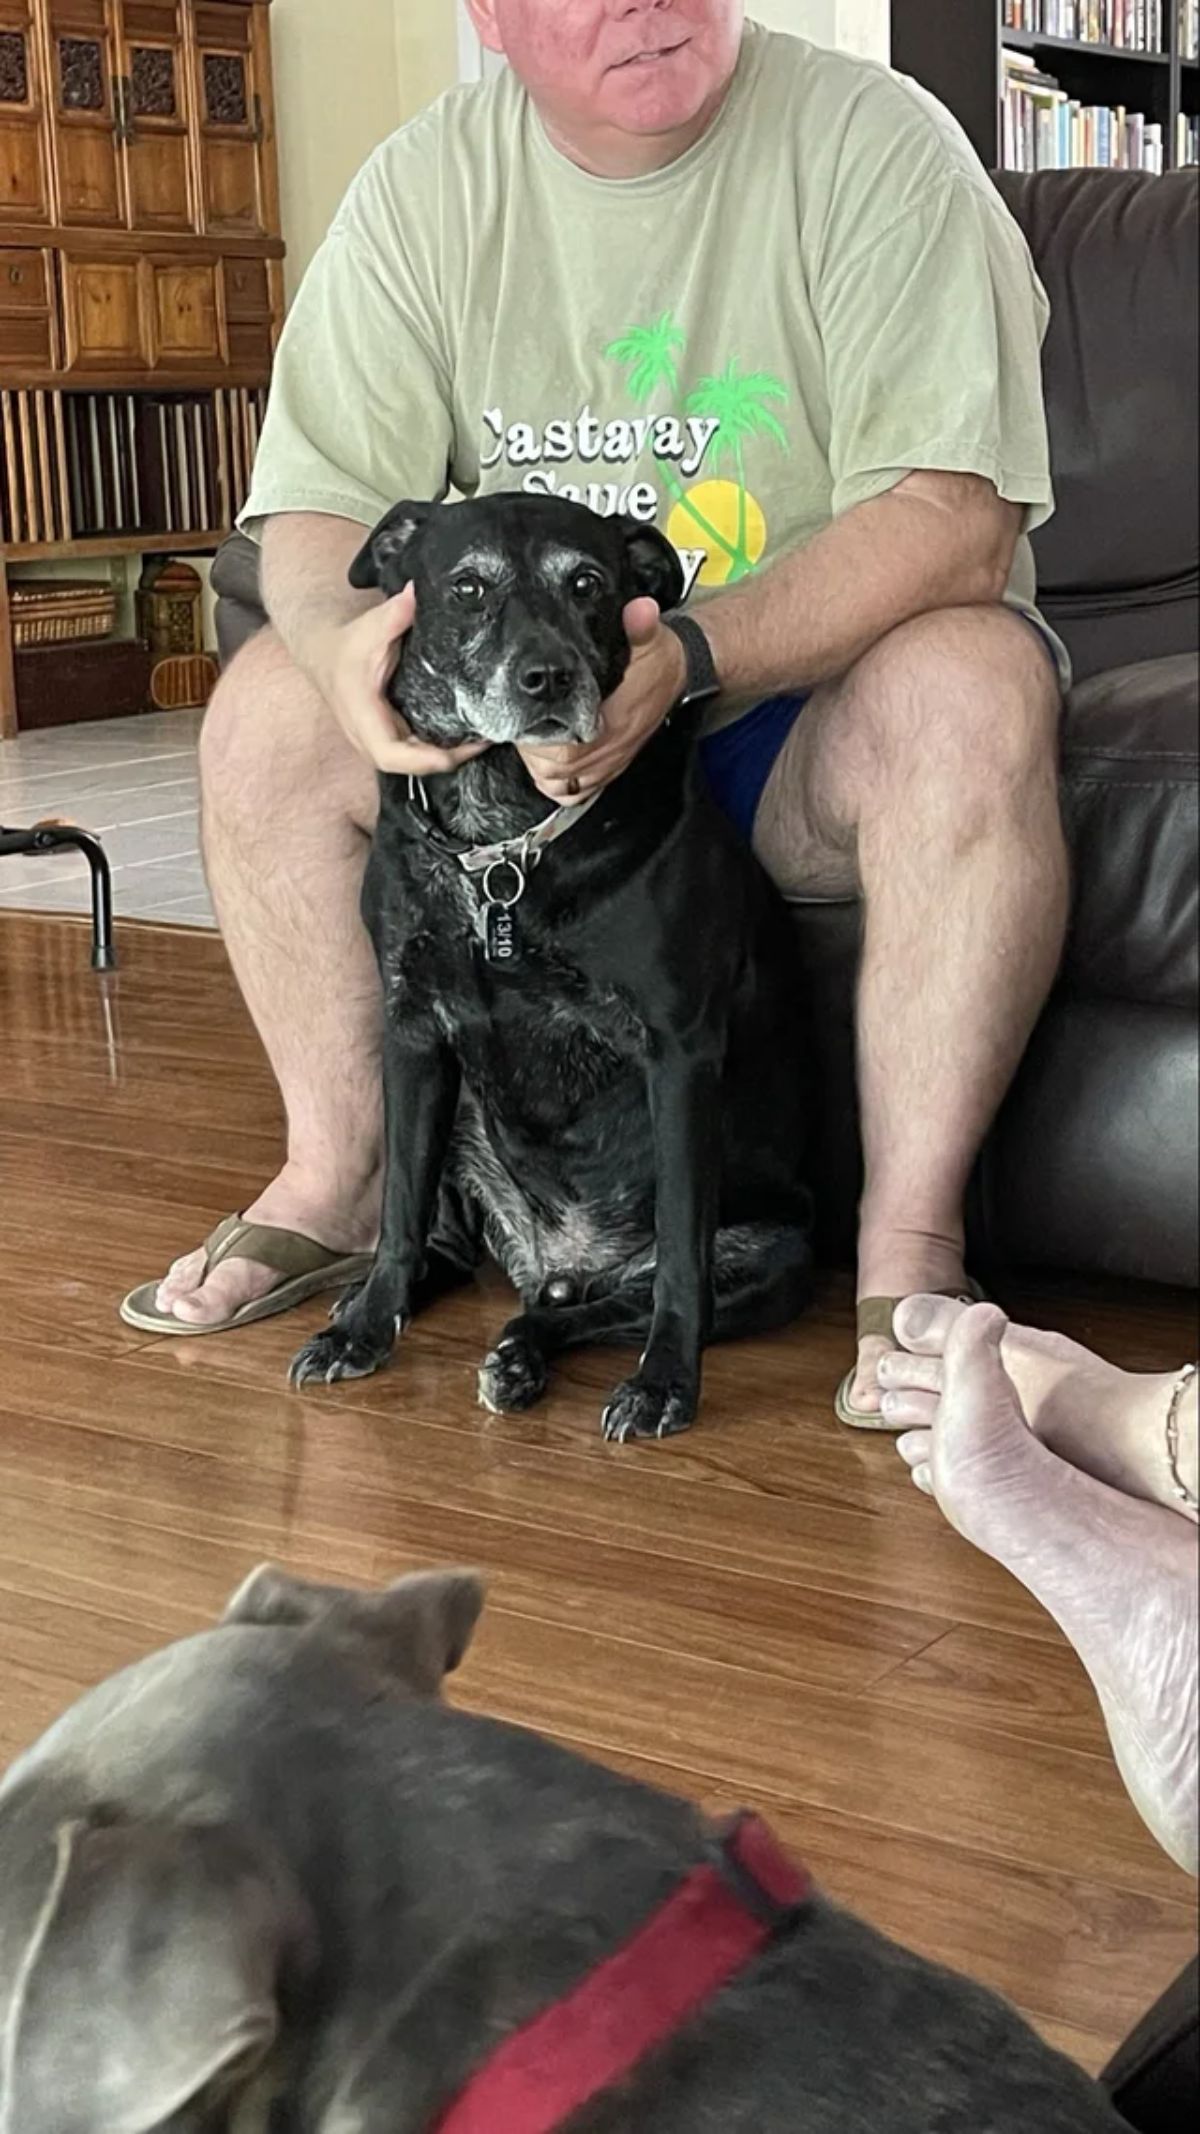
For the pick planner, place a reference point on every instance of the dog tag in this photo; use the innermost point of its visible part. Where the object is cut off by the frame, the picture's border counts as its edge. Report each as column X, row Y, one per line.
column 501, row 934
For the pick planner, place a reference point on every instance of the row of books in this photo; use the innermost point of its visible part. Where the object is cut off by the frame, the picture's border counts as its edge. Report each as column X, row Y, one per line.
column 1045, row 129
column 1187, row 147
column 1132, row 25
column 79, row 466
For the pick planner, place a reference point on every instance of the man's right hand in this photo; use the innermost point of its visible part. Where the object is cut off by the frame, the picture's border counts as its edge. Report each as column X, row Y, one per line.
column 352, row 663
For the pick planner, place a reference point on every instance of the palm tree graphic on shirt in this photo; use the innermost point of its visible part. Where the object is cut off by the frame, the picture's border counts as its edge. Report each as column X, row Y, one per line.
column 718, row 514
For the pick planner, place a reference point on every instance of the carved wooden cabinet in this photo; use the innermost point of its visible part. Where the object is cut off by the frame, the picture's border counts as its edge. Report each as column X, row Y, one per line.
column 140, row 253
column 137, row 114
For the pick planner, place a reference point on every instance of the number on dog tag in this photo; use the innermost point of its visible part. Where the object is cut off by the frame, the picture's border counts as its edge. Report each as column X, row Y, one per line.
column 501, row 936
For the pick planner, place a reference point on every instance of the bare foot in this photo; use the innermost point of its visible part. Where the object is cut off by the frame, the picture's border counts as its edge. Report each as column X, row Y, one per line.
column 344, row 1218
column 897, row 1264
column 1108, row 1422
column 1117, row 1575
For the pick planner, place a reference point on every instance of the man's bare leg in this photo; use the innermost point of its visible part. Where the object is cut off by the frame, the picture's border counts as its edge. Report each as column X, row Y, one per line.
column 927, row 778
column 287, row 811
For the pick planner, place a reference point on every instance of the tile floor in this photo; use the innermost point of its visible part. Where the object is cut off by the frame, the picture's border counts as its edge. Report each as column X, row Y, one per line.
column 132, row 781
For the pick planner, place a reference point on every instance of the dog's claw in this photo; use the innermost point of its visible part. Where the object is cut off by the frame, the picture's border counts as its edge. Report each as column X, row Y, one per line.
column 513, row 1376
column 334, row 1355
column 649, row 1409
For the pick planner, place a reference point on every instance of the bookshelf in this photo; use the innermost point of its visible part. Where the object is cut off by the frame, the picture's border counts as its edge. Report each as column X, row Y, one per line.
column 141, row 292
column 957, row 49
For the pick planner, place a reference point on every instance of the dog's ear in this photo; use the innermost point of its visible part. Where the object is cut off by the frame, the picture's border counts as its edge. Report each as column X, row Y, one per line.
column 654, row 564
column 420, row 1628
column 386, row 548
column 148, row 1984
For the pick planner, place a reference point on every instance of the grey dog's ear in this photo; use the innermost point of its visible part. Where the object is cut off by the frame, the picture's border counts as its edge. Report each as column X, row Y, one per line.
column 420, row 1627
column 149, row 1980
column 384, row 553
column 654, row 564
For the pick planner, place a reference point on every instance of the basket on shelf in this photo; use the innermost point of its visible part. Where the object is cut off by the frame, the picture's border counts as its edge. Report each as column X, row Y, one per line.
column 56, row 611
column 183, row 681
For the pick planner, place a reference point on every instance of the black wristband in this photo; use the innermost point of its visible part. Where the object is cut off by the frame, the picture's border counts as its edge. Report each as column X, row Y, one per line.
column 701, row 681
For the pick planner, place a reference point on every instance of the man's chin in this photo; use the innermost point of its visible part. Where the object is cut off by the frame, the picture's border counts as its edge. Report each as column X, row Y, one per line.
column 665, row 97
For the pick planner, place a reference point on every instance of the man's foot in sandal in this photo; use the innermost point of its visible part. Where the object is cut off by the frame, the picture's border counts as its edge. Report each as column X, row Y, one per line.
column 209, row 1289
column 887, row 1263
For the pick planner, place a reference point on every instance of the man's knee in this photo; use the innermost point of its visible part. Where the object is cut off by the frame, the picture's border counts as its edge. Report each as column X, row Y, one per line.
column 966, row 700
column 270, row 747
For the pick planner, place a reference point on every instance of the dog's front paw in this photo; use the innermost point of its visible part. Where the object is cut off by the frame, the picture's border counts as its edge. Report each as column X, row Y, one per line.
column 339, row 1352
column 514, row 1375
column 650, row 1407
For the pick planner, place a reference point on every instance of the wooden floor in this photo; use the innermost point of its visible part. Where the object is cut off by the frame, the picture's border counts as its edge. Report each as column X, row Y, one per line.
column 765, row 1611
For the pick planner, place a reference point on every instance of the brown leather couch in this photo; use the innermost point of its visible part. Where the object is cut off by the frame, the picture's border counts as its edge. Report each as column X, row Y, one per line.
column 1093, row 1164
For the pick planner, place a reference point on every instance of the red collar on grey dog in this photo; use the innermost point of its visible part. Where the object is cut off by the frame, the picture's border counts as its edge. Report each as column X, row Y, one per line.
column 518, row 851
column 712, row 1925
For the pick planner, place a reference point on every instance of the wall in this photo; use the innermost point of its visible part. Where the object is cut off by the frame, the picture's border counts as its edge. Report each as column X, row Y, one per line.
column 426, row 51
column 854, row 25
column 347, row 73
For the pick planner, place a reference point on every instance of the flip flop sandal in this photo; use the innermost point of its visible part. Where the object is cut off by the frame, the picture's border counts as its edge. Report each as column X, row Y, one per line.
column 303, row 1266
column 874, row 1315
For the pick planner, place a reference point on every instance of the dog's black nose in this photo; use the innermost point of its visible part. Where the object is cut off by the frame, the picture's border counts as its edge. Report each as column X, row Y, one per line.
column 544, row 683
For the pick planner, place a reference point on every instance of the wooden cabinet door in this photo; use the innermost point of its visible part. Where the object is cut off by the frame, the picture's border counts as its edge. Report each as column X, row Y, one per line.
column 232, row 91
column 83, row 113
column 104, row 314
column 24, row 192
column 249, row 313
column 185, row 313
column 154, row 99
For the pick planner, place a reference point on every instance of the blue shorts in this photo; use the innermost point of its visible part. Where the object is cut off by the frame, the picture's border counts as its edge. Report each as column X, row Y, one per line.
column 738, row 759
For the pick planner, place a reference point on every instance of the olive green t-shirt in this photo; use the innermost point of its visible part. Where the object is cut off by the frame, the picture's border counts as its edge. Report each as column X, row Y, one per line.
column 822, row 295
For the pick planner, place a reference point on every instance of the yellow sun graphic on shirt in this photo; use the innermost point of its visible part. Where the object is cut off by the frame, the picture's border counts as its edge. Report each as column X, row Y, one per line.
column 729, row 512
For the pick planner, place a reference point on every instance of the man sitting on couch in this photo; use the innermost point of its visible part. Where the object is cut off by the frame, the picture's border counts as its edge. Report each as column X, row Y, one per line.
column 681, row 268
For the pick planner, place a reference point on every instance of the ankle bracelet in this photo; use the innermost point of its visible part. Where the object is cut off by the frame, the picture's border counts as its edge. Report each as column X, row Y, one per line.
column 1178, row 1485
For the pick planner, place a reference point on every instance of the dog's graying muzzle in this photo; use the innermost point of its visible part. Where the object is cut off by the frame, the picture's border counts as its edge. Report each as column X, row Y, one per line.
column 554, row 693
column 543, row 678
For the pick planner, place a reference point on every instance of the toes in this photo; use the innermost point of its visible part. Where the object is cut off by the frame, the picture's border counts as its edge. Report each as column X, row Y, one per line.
column 864, row 1393
column 182, row 1278
column 901, row 1372
column 922, row 1323
column 973, row 1342
column 916, row 1410
column 202, row 1303
column 915, row 1448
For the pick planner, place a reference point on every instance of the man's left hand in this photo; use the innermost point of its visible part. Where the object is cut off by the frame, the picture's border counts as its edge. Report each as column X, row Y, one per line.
column 654, row 682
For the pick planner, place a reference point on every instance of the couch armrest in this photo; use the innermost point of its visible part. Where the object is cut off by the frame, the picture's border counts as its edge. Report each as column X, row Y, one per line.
column 240, row 612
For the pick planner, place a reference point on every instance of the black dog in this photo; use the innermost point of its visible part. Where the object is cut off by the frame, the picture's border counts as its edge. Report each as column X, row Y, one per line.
column 594, row 1055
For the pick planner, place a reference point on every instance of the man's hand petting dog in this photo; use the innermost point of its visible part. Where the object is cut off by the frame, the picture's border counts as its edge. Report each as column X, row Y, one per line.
column 653, row 683
column 352, row 665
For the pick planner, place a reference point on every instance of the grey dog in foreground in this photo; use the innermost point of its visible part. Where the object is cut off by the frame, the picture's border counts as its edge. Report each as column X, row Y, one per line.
column 265, row 1880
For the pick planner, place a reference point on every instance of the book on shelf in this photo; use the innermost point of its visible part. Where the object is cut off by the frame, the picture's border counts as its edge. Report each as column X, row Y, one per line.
column 1129, row 25
column 1043, row 128
column 1189, row 29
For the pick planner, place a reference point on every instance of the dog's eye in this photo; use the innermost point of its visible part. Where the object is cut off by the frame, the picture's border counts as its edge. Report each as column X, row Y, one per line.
column 469, row 588
column 586, row 584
